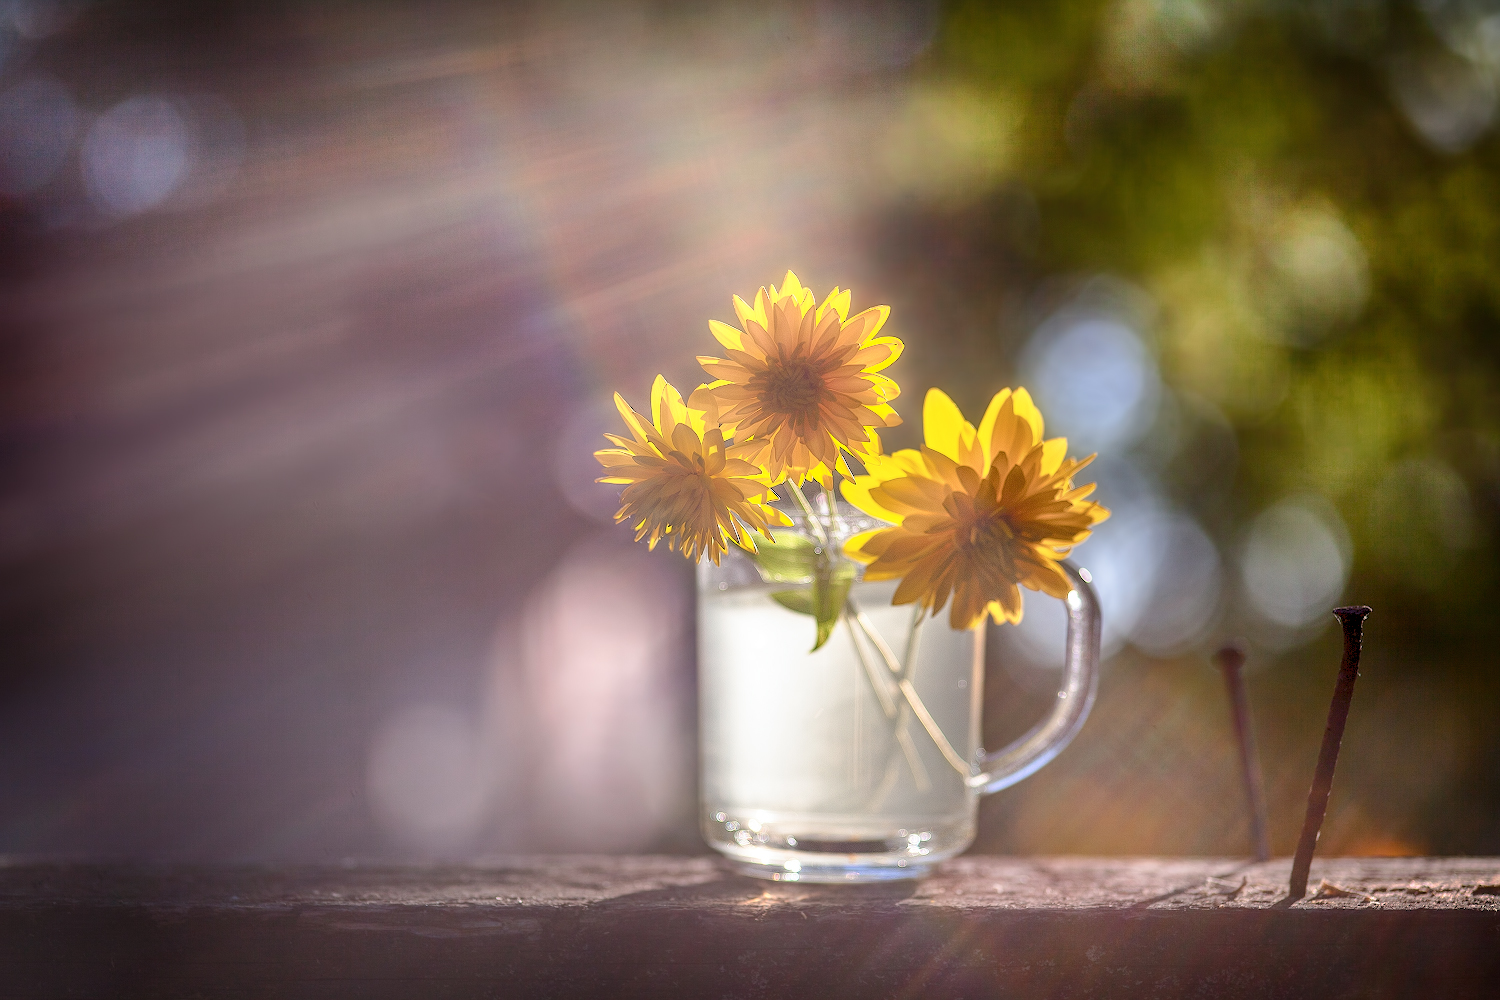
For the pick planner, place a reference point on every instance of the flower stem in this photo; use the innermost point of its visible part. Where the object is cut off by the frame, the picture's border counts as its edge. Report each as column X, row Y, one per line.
column 810, row 514
column 911, row 639
column 888, row 706
column 903, row 738
column 900, row 672
column 876, row 640
column 908, row 690
column 930, row 724
column 829, row 502
column 913, row 761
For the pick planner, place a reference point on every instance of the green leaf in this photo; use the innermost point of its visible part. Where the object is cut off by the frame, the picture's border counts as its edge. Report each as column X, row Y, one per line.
column 799, row 601
column 824, row 600
column 791, row 558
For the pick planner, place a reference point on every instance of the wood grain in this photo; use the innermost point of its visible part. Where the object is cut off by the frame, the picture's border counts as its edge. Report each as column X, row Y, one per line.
column 660, row 926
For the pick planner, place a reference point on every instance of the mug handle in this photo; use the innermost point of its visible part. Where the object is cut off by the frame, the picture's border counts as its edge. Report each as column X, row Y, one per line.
column 1080, row 682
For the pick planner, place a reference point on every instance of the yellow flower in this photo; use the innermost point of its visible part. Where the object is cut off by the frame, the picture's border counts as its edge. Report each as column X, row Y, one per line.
column 977, row 512
column 682, row 482
column 802, row 381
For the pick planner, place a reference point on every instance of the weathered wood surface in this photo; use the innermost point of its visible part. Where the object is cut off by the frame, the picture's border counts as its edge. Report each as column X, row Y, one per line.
column 583, row 927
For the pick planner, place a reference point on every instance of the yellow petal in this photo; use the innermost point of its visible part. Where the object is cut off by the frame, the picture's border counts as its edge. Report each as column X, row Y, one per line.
column 942, row 423
column 726, row 334
column 854, row 547
column 885, row 390
column 858, row 493
column 790, row 288
column 1012, row 435
column 721, row 369
column 910, row 494
column 1053, row 453
column 987, row 424
column 888, row 348
column 747, row 313
column 666, row 406
column 866, row 324
column 633, row 420
column 838, row 301
column 1051, row 580
column 704, row 400
column 1027, row 411
column 918, row 584
column 941, row 467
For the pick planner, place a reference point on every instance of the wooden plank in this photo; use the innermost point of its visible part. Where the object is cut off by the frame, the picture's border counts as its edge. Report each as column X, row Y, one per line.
column 585, row 927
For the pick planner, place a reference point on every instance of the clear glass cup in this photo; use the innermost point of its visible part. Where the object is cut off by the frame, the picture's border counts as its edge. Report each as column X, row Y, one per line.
column 859, row 761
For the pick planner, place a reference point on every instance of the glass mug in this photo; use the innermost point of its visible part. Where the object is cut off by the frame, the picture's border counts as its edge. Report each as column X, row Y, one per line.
column 855, row 763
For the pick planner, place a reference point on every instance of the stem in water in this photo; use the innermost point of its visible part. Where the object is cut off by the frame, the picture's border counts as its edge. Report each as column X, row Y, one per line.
column 908, row 665
column 899, row 671
column 876, row 640
column 911, row 640
column 888, row 706
column 908, row 691
column 930, row 724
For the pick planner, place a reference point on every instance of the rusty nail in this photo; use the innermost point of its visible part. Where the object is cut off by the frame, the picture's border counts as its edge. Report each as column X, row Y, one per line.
column 1353, row 621
column 1230, row 659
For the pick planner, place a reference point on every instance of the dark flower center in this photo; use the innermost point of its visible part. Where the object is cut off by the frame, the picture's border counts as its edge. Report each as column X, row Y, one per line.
column 980, row 527
column 986, row 533
column 792, row 387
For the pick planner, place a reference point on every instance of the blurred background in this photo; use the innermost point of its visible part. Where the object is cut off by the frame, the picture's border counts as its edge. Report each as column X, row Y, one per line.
column 310, row 314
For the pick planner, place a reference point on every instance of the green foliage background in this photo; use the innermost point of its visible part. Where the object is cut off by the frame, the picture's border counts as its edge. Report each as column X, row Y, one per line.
column 1201, row 152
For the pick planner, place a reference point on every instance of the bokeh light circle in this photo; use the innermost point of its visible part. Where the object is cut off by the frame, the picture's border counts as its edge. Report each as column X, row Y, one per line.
column 136, row 155
column 425, row 775
column 1094, row 379
column 1293, row 565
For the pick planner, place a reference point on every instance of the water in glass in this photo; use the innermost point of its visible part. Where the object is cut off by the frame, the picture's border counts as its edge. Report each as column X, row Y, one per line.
column 808, row 773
